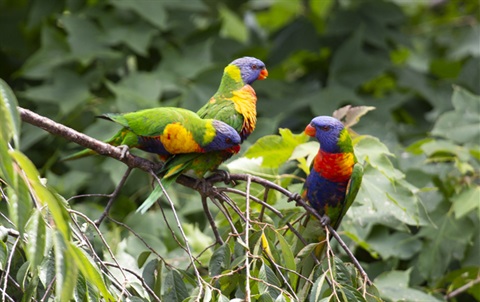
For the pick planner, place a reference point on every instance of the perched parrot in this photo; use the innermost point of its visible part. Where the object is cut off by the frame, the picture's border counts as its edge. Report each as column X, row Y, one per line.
column 167, row 131
column 336, row 175
column 235, row 104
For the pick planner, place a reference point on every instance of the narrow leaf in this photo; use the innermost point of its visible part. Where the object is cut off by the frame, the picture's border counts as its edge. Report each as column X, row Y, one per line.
column 9, row 117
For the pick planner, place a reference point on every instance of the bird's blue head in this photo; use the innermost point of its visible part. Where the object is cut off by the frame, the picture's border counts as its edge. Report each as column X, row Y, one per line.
column 225, row 138
column 330, row 133
column 251, row 69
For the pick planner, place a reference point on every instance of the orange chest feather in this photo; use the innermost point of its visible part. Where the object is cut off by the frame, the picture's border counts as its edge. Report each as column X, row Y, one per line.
column 245, row 100
column 336, row 167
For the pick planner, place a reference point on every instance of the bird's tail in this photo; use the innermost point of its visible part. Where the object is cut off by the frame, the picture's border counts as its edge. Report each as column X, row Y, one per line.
column 172, row 169
column 115, row 140
column 156, row 194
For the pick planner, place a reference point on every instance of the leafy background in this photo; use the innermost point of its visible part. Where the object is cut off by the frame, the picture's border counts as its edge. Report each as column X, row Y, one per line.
column 415, row 224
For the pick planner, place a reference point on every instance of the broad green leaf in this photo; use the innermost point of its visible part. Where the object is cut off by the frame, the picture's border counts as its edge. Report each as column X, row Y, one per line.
column 280, row 13
column 67, row 89
column 9, row 116
column 84, row 36
column 220, row 261
column 36, row 230
column 447, row 241
column 92, row 274
column 276, row 149
column 351, row 65
column 53, row 52
column 369, row 149
column 174, row 287
column 461, row 125
column 268, row 275
column 394, row 286
column 152, row 11
column 398, row 245
column 136, row 91
column 232, row 26
column 466, row 202
column 386, row 202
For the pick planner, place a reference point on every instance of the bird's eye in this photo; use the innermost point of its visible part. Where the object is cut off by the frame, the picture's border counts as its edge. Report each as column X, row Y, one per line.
column 254, row 66
column 228, row 140
column 325, row 128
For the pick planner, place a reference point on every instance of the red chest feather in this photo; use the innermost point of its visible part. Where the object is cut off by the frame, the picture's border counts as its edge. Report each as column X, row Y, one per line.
column 336, row 167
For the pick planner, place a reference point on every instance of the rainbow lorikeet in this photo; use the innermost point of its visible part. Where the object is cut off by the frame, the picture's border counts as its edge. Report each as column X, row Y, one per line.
column 235, row 104
column 335, row 176
column 167, row 131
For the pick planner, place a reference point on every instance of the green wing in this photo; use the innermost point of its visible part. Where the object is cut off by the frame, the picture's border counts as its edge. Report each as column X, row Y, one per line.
column 352, row 190
column 222, row 110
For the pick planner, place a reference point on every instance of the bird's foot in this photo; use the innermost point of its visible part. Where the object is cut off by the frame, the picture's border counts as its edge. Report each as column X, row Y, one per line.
column 203, row 186
column 325, row 220
column 225, row 176
column 294, row 197
column 125, row 151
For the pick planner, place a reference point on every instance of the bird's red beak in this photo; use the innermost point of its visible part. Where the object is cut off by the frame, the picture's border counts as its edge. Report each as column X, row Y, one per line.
column 263, row 74
column 310, row 131
column 235, row 149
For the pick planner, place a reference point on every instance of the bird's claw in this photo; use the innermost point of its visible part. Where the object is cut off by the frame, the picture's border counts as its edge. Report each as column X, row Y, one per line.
column 125, row 151
column 325, row 220
column 223, row 174
column 202, row 185
column 294, row 197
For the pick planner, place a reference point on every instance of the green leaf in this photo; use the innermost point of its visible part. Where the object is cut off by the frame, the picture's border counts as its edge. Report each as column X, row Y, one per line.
column 288, row 257
column 3, row 254
column 220, row 261
column 398, row 245
column 268, row 275
column 9, row 116
column 92, row 274
column 394, row 286
column 276, row 149
column 374, row 152
column 36, row 230
column 232, row 26
column 316, row 294
column 444, row 242
column 174, row 287
column 6, row 168
column 152, row 11
column 461, row 125
column 65, row 269
column 466, row 202
column 67, row 89
column 351, row 65
column 43, row 195
column 20, row 204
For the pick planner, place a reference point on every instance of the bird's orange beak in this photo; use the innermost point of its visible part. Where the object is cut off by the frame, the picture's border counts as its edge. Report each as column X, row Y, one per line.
column 263, row 74
column 235, row 149
column 310, row 131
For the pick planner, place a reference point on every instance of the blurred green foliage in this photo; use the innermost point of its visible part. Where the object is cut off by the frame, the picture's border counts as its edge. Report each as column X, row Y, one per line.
column 415, row 224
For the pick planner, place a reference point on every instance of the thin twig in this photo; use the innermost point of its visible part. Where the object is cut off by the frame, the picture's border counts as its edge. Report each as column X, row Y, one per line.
column 211, row 220
column 247, row 243
column 461, row 289
column 7, row 268
column 113, row 197
column 145, row 285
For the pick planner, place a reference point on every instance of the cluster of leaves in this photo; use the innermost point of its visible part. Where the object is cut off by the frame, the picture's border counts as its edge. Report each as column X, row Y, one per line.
column 415, row 223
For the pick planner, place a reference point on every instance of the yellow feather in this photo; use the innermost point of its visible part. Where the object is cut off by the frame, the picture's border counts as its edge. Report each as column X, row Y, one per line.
column 233, row 72
column 210, row 133
column 176, row 139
